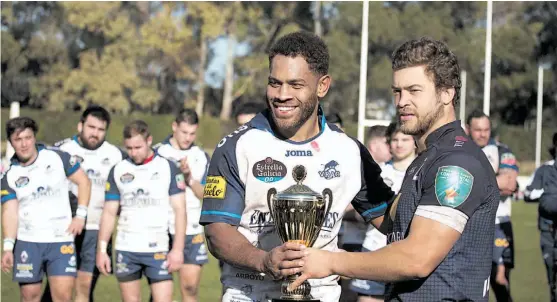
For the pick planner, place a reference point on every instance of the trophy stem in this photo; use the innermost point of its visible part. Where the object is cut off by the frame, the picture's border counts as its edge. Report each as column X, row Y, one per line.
column 302, row 293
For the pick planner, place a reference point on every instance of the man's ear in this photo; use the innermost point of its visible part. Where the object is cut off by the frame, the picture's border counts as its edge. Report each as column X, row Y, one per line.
column 447, row 95
column 323, row 85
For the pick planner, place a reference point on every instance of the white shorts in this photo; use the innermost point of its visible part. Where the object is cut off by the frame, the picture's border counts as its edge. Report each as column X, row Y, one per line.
column 250, row 293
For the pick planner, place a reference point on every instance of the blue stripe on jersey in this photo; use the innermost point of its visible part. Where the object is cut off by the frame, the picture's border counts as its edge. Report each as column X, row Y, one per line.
column 8, row 197
column 111, row 197
column 221, row 214
column 378, row 208
column 509, row 167
column 73, row 169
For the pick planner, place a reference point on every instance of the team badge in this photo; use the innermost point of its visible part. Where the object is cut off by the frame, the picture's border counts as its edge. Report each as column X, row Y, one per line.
column 453, row 185
column 127, row 178
column 22, row 181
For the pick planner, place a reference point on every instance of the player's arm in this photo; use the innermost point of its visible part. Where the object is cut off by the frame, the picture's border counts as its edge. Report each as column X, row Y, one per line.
column 109, row 213
column 197, row 179
column 9, row 215
column 374, row 197
column 507, row 173
column 534, row 190
column 436, row 226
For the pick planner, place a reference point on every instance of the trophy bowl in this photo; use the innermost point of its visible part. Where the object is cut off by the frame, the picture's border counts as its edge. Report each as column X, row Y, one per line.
column 298, row 213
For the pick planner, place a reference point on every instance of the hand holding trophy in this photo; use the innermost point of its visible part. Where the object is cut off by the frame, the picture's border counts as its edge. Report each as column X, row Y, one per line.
column 298, row 213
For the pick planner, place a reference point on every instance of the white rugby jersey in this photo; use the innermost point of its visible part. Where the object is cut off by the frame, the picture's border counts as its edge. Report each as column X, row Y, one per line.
column 500, row 156
column 144, row 194
column 252, row 160
column 96, row 164
column 393, row 178
column 41, row 190
column 198, row 161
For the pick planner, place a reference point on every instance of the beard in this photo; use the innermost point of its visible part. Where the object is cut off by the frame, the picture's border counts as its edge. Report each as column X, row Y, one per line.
column 422, row 124
column 85, row 141
column 290, row 126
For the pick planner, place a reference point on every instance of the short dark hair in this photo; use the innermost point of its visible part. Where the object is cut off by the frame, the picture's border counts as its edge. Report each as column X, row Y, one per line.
column 392, row 129
column 553, row 148
column 188, row 116
column 475, row 114
column 334, row 118
column 18, row 124
column 248, row 108
column 98, row 112
column 440, row 62
column 136, row 127
column 377, row 131
column 306, row 44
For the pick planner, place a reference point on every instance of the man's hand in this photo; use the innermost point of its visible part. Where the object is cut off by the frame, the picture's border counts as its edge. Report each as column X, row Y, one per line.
column 283, row 260
column 7, row 261
column 175, row 260
column 315, row 264
column 185, row 169
column 500, row 278
column 103, row 263
column 76, row 227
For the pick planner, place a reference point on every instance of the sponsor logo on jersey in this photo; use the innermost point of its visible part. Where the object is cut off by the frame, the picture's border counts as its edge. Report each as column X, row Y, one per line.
column 453, row 185
column 330, row 221
column 159, row 256
column 269, row 170
column 501, row 242
column 4, row 192
column 139, row 198
column 215, row 187
column 22, row 182
column 394, row 237
column 127, row 178
column 197, row 239
column 107, row 187
column 298, row 153
column 330, row 170
column 75, row 159
column 248, row 276
column 260, row 222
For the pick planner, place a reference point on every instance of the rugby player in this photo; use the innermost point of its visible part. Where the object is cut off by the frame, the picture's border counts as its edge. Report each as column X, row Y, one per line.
column 246, row 112
column 376, row 143
column 403, row 150
column 193, row 162
column 36, row 214
column 145, row 186
column 505, row 166
column 96, row 157
column 440, row 226
column 261, row 154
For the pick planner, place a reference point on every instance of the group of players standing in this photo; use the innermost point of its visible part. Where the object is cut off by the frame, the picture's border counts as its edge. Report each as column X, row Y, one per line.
column 146, row 187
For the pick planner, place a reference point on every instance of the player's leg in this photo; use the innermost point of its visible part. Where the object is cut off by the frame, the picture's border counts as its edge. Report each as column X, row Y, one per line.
column 28, row 269
column 128, row 272
column 160, row 280
column 87, row 252
column 546, row 245
column 195, row 256
column 61, row 269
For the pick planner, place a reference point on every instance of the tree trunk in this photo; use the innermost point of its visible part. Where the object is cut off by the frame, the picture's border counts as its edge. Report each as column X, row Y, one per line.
column 317, row 19
column 229, row 77
column 201, row 77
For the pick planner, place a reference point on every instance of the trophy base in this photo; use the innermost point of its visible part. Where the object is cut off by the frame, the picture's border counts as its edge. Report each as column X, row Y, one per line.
column 290, row 300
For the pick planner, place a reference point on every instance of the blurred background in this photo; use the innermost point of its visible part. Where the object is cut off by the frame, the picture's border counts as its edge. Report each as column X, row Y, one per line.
column 149, row 59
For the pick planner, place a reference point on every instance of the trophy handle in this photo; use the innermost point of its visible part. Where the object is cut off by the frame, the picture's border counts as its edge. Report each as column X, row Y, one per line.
column 328, row 201
column 270, row 195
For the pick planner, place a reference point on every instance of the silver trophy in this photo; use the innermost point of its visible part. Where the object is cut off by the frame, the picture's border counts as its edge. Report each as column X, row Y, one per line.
column 298, row 213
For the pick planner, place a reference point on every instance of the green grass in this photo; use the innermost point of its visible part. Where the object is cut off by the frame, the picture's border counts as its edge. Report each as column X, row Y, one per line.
column 528, row 282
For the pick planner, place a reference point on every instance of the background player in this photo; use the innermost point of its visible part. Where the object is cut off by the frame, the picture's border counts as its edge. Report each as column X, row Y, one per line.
column 194, row 161
column 144, row 185
column 505, row 166
column 96, row 157
column 376, row 143
column 247, row 111
column 403, row 150
column 36, row 211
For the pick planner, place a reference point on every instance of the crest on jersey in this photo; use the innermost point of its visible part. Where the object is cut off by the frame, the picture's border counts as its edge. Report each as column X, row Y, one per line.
column 330, row 170
column 389, row 182
column 22, row 182
column 74, row 159
column 106, row 161
column 453, row 185
column 127, row 178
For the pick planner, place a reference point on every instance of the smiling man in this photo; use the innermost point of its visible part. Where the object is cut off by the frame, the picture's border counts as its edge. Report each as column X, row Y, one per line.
column 261, row 154
column 440, row 227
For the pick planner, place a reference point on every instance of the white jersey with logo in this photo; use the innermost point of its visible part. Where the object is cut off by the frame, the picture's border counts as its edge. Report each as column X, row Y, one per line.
column 144, row 194
column 252, row 160
column 41, row 190
column 96, row 164
column 198, row 161
column 392, row 177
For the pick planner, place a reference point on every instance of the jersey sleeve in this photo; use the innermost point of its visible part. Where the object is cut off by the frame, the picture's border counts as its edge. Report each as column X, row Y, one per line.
column 534, row 190
column 7, row 192
column 453, row 187
column 373, row 198
column 111, row 192
column 205, row 170
column 71, row 163
column 507, row 160
column 223, row 197
column 177, row 181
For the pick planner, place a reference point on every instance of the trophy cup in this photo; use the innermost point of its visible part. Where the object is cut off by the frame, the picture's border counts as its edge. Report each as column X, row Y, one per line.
column 298, row 213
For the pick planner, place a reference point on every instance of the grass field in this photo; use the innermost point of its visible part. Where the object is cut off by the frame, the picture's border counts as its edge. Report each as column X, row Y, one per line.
column 528, row 280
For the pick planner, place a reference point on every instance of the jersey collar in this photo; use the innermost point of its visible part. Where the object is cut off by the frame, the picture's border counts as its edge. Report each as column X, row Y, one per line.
column 263, row 121
column 15, row 161
column 146, row 161
column 436, row 135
